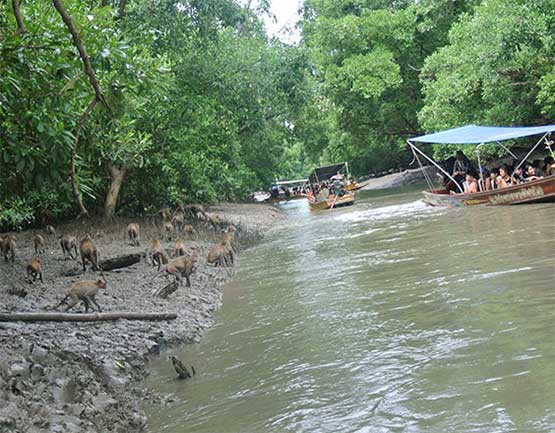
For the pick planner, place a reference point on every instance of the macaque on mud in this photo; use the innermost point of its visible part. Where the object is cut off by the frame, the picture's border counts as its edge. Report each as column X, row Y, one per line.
column 133, row 232
column 189, row 230
column 181, row 267
column 221, row 254
column 159, row 256
column 165, row 213
column 9, row 245
column 38, row 244
column 84, row 291
column 88, row 252
column 34, row 269
column 178, row 219
column 69, row 246
column 179, row 249
column 168, row 230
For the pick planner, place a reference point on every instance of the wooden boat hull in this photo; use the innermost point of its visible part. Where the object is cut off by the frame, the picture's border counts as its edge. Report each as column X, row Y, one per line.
column 536, row 191
column 347, row 200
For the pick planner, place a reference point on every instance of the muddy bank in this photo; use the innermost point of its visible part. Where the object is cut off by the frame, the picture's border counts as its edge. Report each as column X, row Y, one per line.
column 85, row 377
column 398, row 179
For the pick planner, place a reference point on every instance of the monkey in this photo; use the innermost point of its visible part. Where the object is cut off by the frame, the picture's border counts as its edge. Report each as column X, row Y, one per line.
column 84, row 291
column 8, row 247
column 168, row 229
column 160, row 257
column 133, row 232
column 178, row 219
column 219, row 254
column 165, row 213
column 189, row 230
column 50, row 230
column 182, row 266
column 38, row 244
column 69, row 245
column 34, row 269
column 180, row 369
column 179, row 249
column 88, row 252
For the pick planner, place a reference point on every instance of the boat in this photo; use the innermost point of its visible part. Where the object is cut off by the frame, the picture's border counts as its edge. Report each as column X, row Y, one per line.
column 325, row 174
column 536, row 191
column 286, row 190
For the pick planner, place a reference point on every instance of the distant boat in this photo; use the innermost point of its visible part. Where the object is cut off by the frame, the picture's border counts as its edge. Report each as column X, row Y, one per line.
column 327, row 174
column 536, row 191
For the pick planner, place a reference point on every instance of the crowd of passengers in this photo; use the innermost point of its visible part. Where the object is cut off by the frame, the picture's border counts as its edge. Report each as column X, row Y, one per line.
column 500, row 177
column 335, row 186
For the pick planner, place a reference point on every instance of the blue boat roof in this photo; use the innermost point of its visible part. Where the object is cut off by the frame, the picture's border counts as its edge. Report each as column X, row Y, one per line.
column 473, row 134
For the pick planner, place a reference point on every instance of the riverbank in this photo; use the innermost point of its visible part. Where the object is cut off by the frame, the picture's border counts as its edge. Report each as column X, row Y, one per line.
column 86, row 377
column 398, row 179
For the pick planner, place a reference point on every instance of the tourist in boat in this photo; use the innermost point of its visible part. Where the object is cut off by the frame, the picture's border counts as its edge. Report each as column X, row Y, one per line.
column 549, row 165
column 484, row 182
column 470, row 185
column 503, row 180
column 323, row 194
column 493, row 179
column 460, row 167
column 531, row 173
column 518, row 176
column 538, row 165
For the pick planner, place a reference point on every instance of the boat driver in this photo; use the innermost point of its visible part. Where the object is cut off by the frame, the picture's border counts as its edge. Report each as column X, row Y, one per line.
column 460, row 168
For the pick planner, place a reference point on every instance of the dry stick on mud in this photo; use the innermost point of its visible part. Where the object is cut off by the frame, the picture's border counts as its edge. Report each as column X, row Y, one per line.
column 76, row 317
column 17, row 13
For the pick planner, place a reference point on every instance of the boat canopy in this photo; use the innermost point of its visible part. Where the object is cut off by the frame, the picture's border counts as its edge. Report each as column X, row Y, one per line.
column 324, row 173
column 472, row 134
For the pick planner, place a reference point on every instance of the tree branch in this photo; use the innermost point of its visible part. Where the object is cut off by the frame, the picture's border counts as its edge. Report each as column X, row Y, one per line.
column 82, row 52
column 18, row 19
column 72, row 171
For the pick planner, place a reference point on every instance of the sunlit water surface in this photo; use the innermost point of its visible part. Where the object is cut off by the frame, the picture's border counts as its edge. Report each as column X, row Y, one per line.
column 388, row 316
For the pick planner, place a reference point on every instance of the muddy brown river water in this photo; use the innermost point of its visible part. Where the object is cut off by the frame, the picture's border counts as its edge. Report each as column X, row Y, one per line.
column 388, row 316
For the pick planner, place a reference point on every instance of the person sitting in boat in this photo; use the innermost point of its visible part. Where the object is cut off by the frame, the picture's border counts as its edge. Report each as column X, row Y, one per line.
column 549, row 165
column 470, row 185
column 503, row 180
column 323, row 194
column 484, row 183
column 493, row 179
column 518, row 176
column 338, row 188
column 460, row 167
column 531, row 173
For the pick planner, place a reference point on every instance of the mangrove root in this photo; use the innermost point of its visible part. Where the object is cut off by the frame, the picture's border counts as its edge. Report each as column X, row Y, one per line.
column 166, row 291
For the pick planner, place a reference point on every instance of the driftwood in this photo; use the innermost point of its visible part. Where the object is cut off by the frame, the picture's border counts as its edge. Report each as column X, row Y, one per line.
column 92, row 317
column 166, row 291
column 120, row 262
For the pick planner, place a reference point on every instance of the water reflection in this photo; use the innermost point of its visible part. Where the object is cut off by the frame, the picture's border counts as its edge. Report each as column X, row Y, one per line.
column 390, row 316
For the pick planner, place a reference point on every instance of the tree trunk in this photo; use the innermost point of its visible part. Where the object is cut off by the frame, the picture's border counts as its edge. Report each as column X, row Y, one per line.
column 18, row 19
column 83, row 317
column 82, row 52
column 121, row 9
column 116, row 178
column 73, row 170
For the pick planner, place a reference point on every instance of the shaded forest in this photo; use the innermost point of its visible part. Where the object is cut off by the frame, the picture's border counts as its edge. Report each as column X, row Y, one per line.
column 120, row 107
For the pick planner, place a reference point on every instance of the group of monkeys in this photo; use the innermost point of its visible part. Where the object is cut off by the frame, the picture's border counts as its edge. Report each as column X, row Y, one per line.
column 85, row 291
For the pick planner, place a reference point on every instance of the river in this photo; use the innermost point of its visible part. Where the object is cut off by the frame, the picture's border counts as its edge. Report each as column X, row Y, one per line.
column 388, row 316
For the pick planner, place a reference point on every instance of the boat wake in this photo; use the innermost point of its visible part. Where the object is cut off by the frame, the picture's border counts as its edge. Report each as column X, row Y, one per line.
column 415, row 209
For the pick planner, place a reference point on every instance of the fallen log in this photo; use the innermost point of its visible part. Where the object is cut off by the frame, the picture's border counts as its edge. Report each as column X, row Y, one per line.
column 166, row 291
column 83, row 317
column 120, row 262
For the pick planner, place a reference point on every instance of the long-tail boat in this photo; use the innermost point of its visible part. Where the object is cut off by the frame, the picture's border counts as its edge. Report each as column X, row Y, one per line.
column 535, row 191
column 326, row 174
